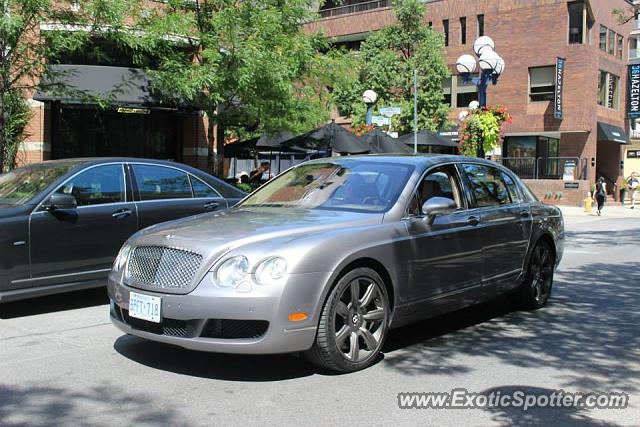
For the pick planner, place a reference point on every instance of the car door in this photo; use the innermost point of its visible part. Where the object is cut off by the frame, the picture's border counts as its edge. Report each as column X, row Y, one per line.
column 505, row 226
column 69, row 245
column 445, row 249
column 166, row 193
column 14, row 247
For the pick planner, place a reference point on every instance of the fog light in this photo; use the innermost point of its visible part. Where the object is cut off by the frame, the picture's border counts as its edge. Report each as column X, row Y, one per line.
column 298, row 317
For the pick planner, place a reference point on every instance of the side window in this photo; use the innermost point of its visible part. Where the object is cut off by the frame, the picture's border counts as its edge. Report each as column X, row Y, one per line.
column 512, row 187
column 200, row 189
column 159, row 182
column 96, row 186
column 439, row 182
column 487, row 185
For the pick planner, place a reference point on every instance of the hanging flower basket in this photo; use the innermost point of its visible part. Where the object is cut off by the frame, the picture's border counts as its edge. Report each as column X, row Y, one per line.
column 482, row 129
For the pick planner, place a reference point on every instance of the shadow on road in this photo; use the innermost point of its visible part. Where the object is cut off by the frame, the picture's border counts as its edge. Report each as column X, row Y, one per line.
column 54, row 303
column 589, row 333
column 229, row 367
column 24, row 405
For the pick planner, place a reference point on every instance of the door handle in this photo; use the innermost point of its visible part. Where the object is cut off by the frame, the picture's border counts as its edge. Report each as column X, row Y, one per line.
column 211, row 205
column 473, row 220
column 121, row 214
column 524, row 214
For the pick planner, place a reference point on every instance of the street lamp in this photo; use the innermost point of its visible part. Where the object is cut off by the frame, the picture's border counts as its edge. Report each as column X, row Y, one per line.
column 369, row 97
column 491, row 65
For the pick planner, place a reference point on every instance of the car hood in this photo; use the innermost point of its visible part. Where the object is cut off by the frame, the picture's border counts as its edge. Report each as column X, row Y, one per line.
column 215, row 232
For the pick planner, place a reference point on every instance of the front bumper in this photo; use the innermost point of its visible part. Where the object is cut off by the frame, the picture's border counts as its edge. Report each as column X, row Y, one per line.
column 257, row 321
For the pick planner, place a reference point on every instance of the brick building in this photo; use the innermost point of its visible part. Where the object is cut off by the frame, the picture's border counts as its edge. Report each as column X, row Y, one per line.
column 136, row 123
column 530, row 34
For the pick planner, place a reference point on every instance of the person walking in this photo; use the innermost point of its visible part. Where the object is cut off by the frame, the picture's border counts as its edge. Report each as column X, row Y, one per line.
column 632, row 185
column 600, row 194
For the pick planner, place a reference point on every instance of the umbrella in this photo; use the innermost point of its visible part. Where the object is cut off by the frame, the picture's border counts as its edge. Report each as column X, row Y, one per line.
column 330, row 137
column 274, row 141
column 380, row 142
column 426, row 137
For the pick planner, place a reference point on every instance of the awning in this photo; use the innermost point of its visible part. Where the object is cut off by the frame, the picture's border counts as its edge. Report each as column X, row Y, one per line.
column 607, row 132
column 90, row 84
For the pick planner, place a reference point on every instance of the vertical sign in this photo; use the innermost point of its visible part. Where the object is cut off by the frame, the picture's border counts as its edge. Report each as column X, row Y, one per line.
column 611, row 93
column 557, row 104
column 633, row 92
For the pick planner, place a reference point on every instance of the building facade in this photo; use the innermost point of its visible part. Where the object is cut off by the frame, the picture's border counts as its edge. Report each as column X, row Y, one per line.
column 589, row 140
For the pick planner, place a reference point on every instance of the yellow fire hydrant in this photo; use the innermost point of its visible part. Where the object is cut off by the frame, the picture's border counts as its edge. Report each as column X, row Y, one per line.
column 588, row 201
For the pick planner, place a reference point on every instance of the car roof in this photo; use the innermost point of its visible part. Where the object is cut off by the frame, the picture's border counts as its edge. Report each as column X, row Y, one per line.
column 419, row 160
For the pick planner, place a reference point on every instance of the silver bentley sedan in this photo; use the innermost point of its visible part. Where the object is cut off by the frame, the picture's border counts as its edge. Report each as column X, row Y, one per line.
column 331, row 254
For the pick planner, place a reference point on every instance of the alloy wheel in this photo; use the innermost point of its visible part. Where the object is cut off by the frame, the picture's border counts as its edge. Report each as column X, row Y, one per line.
column 542, row 273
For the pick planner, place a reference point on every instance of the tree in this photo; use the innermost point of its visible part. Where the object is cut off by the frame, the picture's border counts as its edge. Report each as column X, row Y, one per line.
column 24, row 51
column 386, row 63
column 249, row 65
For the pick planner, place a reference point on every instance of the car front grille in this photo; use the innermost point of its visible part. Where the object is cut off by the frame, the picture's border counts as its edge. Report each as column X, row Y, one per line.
column 213, row 328
column 163, row 267
column 234, row 329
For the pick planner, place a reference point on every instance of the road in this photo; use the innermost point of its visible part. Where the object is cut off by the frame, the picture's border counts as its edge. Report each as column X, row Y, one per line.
column 62, row 363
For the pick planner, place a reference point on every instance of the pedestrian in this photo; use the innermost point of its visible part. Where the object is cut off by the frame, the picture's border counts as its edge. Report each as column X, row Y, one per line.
column 256, row 175
column 632, row 185
column 600, row 194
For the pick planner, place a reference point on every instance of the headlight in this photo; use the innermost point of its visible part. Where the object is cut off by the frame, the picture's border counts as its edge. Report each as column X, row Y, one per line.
column 232, row 272
column 121, row 259
column 270, row 270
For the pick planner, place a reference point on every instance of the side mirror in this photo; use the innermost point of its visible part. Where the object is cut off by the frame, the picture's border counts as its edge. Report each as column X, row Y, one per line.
column 438, row 205
column 61, row 201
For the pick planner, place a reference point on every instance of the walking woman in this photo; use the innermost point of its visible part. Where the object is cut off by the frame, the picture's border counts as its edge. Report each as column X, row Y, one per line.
column 600, row 194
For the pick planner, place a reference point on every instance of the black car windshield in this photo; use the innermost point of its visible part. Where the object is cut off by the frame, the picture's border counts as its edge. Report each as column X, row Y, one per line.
column 23, row 184
column 353, row 185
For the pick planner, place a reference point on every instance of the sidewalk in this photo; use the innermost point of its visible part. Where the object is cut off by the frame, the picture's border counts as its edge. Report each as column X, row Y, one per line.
column 607, row 212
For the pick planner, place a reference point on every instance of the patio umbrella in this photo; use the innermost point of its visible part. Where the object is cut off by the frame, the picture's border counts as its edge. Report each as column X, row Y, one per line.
column 380, row 142
column 274, row 141
column 330, row 137
column 426, row 137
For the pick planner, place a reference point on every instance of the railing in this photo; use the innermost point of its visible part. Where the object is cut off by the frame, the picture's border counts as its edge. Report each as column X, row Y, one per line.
column 354, row 8
column 572, row 168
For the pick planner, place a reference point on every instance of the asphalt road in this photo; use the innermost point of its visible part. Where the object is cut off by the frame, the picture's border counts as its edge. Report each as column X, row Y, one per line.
column 62, row 363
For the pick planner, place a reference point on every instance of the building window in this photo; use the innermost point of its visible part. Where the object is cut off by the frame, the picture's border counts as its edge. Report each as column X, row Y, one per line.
column 576, row 22
column 457, row 93
column 480, row 25
column 430, row 24
column 542, row 84
column 532, row 156
column 608, row 90
column 611, row 43
column 463, row 30
column 603, row 38
column 620, row 46
column 445, row 25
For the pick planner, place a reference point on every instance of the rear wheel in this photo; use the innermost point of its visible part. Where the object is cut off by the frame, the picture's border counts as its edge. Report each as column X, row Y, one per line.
column 536, row 288
column 353, row 323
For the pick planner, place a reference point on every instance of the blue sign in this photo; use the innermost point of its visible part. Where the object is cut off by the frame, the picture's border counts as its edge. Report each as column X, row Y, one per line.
column 557, row 101
column 390, row 111
column 381, row 121
column 633, row 92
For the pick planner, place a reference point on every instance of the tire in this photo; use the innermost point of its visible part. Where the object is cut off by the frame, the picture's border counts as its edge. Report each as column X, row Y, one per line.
column 535, row 290
column 353, row 324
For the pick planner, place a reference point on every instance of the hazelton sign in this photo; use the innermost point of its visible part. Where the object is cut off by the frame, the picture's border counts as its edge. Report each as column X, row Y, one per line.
column 633, row 92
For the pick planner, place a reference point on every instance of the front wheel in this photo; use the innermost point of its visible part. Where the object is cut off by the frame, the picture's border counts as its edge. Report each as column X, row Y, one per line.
column 353, row 323
column 536, row 288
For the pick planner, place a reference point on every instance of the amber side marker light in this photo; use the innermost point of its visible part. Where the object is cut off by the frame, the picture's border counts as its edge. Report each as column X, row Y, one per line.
column 298, row 317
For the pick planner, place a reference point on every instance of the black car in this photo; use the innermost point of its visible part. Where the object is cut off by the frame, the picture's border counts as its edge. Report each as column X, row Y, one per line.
column 63, row 221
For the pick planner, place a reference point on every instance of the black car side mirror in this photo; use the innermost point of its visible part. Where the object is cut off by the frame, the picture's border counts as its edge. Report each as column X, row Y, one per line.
column 438, row 205
column 61, row 201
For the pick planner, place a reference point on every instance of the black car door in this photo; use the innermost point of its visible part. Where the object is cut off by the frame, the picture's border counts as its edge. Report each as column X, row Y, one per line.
column 505, row 226
column 14, row 247
column 69, row 245
column 444, row 249
column 165, row 193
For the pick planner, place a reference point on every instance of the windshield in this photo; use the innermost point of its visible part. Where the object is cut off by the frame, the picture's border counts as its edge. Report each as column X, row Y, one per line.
column 21, row 185
column 355, row 185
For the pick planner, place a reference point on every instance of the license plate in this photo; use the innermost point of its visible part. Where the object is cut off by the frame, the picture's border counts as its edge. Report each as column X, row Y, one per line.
column 145, row 307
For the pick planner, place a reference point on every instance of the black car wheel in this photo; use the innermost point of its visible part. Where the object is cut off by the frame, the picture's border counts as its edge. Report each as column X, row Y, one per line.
column 536, row 288
column 353, row 323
